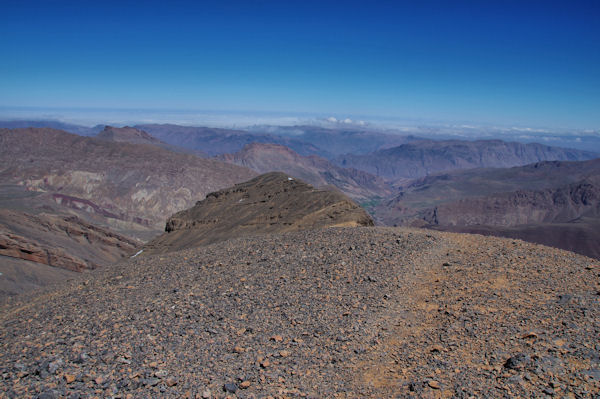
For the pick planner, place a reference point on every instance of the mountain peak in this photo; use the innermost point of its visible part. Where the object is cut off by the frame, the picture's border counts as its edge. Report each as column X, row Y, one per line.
column 270, row 203
column 127, row 134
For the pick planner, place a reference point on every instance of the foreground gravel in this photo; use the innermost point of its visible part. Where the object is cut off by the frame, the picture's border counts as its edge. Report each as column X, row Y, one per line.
column 362, row 312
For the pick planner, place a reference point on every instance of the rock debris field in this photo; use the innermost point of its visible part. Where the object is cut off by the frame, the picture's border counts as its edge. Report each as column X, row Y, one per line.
column 347, row 313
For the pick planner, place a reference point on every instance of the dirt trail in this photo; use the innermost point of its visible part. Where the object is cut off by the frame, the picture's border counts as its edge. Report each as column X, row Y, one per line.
column 495, row 318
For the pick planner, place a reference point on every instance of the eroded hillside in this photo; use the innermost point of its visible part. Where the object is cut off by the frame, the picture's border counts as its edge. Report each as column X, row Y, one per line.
column 130, row 188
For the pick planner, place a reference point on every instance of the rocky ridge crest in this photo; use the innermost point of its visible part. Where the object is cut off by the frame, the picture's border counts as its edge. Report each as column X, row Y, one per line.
column 270, row 203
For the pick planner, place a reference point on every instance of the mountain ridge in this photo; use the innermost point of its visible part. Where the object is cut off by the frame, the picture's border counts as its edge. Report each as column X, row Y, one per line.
column 270, row 203
column 134, row 135
column 317, row 171
column 554, row 203
column 425, row 157
column 216, row 141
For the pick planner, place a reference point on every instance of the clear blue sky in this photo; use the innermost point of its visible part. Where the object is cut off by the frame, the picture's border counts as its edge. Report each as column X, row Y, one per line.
column 510, row 62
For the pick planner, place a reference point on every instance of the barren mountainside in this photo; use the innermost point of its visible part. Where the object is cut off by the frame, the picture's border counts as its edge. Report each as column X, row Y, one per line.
column 567, row 217
column 136, row 136
column 350, row 313
column 553, row 203
column 274, row 288
column 269, row 203
column 562, row 204
column 37, row 250
column 128, row 187
column 313, row 169
column 426, row 157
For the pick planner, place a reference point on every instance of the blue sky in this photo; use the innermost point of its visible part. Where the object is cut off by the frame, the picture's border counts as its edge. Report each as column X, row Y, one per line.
column 507, row 62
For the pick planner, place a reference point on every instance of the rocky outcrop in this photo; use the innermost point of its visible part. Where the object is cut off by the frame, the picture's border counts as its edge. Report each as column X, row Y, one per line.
column 270, row 203
column 313, row 169
column 61, row 241
column 21, row 248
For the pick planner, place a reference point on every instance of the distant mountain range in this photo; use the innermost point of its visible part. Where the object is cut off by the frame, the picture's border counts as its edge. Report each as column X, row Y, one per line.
column 137, row 136
column 334, row 143
column 214, row 141
column 52, row 124
column 426, row 157
column 554, row 203
column 313, row 169
column 132, row 181
column 338, row 141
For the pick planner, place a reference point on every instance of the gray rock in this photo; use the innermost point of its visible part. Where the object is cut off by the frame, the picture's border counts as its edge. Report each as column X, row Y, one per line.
column 594, row 373
column 47, row 395
column 548, row 391
column 564, row 298
column 151, row 381
column 54, row 366
column 230, row 388
column 161, row 373
column 517, row 362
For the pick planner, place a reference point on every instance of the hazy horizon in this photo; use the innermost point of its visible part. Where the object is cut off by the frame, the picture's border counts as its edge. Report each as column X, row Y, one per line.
column 530, row 64
column 90, row 117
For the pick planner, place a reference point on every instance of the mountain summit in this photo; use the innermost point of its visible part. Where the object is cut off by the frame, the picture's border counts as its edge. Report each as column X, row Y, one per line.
column 270, row 203
column 128, row 135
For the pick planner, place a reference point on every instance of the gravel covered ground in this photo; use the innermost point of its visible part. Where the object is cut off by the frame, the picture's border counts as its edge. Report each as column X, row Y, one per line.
column 361, row 312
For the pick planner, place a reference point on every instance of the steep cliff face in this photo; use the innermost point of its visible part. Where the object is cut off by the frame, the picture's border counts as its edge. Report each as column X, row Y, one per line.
column 558, row 205
column 508, row 187
column 422, row 158
column 553, row 203
column 270, row 203
column 315, row 170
